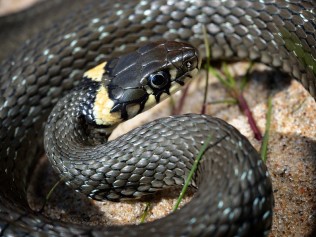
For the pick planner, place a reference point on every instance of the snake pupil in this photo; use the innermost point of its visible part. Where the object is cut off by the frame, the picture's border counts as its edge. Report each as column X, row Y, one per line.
column 159, row 80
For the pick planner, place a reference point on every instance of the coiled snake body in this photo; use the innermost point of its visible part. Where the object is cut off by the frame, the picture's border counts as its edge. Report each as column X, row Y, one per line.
column 279, row 33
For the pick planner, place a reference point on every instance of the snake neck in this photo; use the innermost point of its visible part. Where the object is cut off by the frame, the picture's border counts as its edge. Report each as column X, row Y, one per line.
column 74, row 117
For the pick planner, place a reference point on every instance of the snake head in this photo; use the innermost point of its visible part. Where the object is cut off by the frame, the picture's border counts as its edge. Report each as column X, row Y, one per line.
column 141, row 79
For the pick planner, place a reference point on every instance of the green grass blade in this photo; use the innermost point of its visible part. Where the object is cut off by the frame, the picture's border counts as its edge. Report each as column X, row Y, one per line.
column 145, row 213
column 53, row 189
column 207, row 66
column 50, row 193
column 231, row 82
column 192, row 171
column 264, row 147
column 219, row 77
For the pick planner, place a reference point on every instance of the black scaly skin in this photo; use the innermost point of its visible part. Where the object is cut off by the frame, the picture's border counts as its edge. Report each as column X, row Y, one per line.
column 279, row 33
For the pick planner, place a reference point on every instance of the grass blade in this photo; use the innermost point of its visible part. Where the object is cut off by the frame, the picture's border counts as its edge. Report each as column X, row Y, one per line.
column 145, row 213
column 264, row 146
column 192, row 171
column 207, row 67
column 50, row 193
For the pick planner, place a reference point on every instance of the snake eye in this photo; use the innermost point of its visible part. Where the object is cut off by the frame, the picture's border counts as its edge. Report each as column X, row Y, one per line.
column 159, row 80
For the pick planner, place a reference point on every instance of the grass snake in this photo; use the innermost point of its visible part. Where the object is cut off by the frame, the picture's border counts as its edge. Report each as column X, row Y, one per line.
column 49, row 63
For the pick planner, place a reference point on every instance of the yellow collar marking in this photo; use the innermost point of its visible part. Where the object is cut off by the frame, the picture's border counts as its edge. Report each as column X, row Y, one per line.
column 96, row 73
column 102, row 106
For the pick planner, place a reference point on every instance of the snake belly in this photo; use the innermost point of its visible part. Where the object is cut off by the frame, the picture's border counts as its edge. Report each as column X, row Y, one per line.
column 278, row 33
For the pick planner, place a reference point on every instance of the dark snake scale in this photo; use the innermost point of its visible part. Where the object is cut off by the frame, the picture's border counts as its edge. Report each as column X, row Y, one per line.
column 59, row 40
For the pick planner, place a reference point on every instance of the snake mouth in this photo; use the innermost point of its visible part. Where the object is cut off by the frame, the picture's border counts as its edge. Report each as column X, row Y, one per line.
column 183, row 79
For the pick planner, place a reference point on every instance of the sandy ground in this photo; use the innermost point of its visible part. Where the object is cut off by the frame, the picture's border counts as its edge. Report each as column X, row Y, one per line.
column 291, row 155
